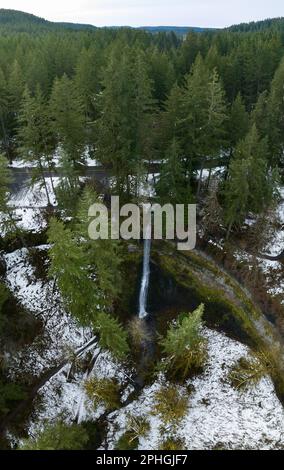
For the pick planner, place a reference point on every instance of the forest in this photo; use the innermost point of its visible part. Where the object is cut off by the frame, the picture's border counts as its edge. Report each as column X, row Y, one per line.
column 189, row 118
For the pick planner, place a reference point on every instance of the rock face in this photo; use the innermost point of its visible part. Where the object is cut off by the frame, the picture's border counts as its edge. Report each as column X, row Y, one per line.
column 3, row 266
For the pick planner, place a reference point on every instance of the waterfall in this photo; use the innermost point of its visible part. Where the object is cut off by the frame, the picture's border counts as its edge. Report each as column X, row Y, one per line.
column 146, row 274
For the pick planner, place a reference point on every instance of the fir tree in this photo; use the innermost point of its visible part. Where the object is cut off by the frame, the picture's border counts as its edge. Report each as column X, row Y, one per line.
column 251, row 185
column 112, row 336
column 70, row 267
column 35, row 139
column 184, row 348
column 67, row 113
column 174, row 185
column 58, row 437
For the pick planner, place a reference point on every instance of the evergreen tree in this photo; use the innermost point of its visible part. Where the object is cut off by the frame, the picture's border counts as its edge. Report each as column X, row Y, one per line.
column 115, row 125
column 112, row 336
column 86, row 80
column 184, row 348
column 174, row 185
column 59, row 436
column 275, row 117
column 35, row 139
column 104, row 255
column 237, row 124
column 7, row 219
column 251, row 185
column 67, row 113
column 71, row 269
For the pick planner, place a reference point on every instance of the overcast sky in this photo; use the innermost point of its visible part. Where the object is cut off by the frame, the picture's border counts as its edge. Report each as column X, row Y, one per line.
column 215, row 13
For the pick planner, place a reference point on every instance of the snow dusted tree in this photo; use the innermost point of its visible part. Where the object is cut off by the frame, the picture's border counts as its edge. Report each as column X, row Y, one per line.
column 184, row 348
column 71, row 268
column 58, row 436
column 35, row 139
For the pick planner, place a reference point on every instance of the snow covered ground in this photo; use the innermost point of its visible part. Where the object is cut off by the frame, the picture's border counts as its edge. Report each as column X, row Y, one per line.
column 60, row 335
column 219, row 416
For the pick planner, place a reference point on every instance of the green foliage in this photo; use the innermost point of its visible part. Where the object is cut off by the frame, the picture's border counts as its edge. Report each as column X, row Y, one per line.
column 172, row 444
column 105, row 255
column 58, row 437
column 126, row 442
column 184, row 348
column 173, row 185
column 70, row 267
column 103, row 392
column 250, row 186
column 67, row 113
column 9, row 394
column 171, row 405
column 247, row 372
column 137, row 426
column 112, row 336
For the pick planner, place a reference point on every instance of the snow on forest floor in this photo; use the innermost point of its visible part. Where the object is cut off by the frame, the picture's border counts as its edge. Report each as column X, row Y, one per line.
column 218, row 416
column 29, row 203
column 273, row 270
column 60, row 332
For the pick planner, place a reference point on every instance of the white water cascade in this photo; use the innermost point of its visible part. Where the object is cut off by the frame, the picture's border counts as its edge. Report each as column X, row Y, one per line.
column 146, row 274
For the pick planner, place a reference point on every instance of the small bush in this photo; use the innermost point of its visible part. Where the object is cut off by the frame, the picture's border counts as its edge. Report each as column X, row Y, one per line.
column 172, row 444
column 126, row 442
column 171, row 405
column 104, row 392
column 248, row 372
column 58, row 437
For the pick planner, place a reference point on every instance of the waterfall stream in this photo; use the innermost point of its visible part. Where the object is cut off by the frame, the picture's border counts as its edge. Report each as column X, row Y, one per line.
column 146, row 274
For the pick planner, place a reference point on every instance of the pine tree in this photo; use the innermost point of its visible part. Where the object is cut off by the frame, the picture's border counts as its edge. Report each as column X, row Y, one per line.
column 59, row 436
column 212, row 138
column 71, row 269
column 144, row 110
column 204, row 115
column 115, row 125
column 251, row 185
column 275, row 116
column 112, row 336
column 237, row 124
column 104, row 255
column 35, row 139
column 7, row 219
column 67, row 113
column 174, row 185
column 86, row 81
column 184, row 348
column 172, row 125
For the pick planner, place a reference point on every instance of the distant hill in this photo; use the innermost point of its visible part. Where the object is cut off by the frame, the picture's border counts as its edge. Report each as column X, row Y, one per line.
column 13, row 20
column 178, row 30
column 276, row 24
column 18, row 21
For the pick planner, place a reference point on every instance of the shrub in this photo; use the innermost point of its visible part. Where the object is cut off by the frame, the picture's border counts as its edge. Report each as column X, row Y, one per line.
column 171, row 405
column 248, row 372
column 184, row 348
column 58, row 437
column 126, row 442
column 104, row 392
column 172, row 444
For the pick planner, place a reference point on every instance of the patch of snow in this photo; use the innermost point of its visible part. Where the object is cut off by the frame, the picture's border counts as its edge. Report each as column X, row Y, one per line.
column 219, row 416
